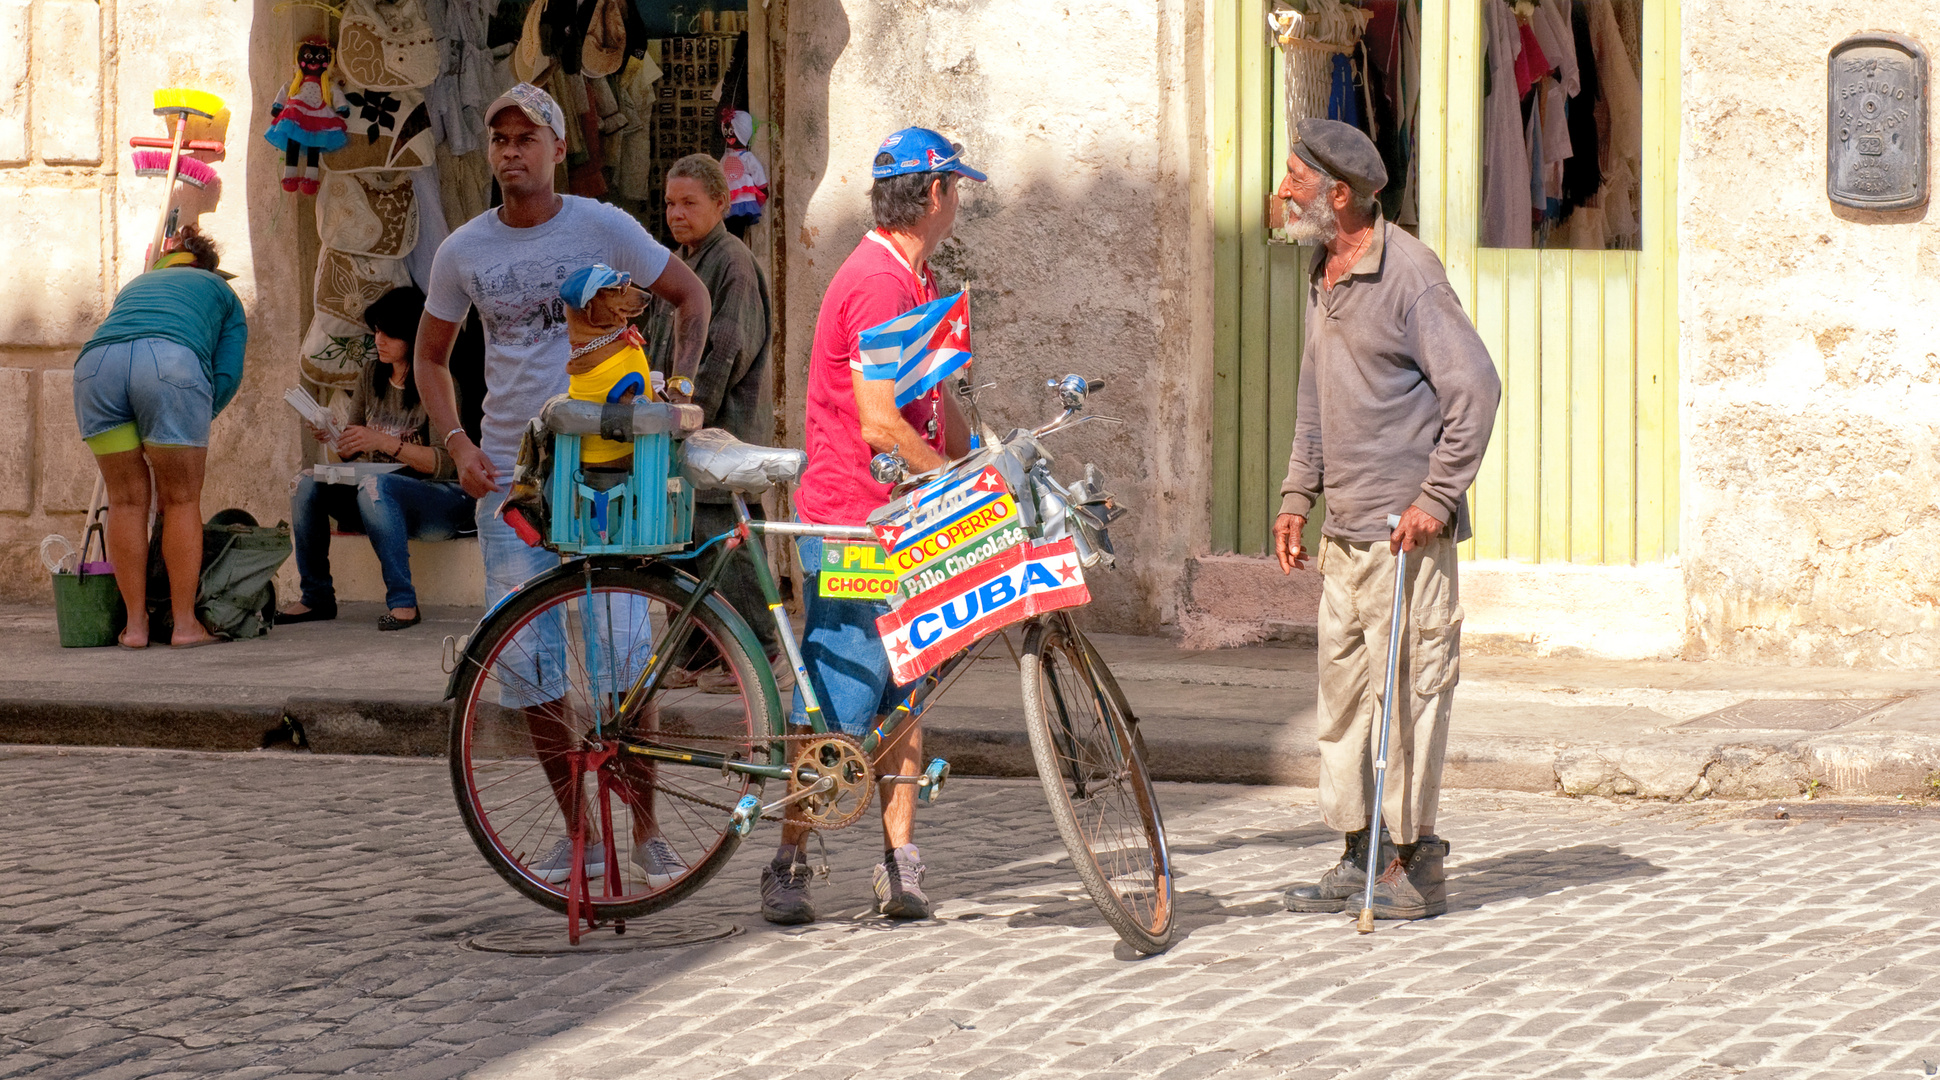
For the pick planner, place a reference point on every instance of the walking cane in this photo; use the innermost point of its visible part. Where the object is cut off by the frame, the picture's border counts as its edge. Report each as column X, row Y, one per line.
column 1365, row 924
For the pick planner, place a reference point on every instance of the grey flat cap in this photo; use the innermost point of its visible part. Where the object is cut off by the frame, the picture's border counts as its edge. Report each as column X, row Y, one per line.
column 1343, row 151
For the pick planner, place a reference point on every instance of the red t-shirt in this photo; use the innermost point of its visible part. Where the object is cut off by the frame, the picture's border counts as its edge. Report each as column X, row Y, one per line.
column 873, row 286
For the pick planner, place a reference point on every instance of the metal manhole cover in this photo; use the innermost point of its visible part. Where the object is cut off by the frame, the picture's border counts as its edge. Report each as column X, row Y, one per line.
column 1789, row 714
column 550, row 939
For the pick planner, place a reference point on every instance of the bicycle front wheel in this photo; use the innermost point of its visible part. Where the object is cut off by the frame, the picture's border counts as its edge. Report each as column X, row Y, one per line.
column 1091, row 761
column 538, row 739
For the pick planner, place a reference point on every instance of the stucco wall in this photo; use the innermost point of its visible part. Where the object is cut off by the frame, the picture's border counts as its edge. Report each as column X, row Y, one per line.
column 1810, row 358
column 76, row 80
column 1081, row 250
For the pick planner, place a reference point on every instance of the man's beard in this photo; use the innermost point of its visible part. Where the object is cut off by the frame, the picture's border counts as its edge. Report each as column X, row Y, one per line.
column 1316, row 224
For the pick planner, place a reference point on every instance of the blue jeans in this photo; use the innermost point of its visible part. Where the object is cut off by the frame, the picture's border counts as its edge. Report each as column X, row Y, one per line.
column 390, row 508
column 843, row 654
column 599, row 643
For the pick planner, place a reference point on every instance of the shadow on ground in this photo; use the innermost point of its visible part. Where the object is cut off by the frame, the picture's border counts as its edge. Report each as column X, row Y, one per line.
column 1526, row 874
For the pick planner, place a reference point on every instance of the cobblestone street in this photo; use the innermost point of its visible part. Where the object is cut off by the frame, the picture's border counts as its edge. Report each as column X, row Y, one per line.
column 259, row 915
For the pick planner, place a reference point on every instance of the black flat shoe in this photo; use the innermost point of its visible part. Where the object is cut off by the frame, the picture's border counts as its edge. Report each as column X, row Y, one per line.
column 388, row 621
column 312, row 615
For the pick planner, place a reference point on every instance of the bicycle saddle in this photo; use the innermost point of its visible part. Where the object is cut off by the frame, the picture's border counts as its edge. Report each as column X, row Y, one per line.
column 716, row 460
column 619, row 422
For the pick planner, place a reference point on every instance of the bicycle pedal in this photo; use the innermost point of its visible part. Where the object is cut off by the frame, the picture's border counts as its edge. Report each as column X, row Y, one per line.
column 746, row 813
column 929, row 787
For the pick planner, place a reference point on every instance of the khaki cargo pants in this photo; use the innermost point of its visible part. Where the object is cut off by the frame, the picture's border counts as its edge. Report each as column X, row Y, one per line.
column 1356, row 602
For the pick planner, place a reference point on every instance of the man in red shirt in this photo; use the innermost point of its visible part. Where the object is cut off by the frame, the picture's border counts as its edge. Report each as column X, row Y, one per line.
column 850, row 420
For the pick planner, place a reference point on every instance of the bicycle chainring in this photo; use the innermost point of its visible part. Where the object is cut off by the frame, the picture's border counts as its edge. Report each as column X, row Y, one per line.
column 840, row 758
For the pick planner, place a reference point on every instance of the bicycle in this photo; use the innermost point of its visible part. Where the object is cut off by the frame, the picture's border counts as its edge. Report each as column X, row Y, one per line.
column 576, row 749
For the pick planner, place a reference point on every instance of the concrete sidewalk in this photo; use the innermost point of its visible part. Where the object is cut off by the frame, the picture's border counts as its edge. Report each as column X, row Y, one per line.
column 1651, row 729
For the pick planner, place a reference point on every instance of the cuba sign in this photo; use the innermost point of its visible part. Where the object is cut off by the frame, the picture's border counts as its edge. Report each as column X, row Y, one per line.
column 1024, row 581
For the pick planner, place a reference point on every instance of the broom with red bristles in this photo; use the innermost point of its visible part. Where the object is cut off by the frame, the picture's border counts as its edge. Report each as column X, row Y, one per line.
column 177, row 105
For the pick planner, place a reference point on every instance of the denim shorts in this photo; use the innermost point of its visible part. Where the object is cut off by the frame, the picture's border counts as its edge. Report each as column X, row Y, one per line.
column 153, row 383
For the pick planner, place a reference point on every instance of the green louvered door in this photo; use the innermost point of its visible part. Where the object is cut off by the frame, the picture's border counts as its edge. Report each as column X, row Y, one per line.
column 1259, row 287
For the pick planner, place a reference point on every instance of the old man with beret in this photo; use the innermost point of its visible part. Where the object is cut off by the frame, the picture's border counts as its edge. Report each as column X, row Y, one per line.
column 1396, row 402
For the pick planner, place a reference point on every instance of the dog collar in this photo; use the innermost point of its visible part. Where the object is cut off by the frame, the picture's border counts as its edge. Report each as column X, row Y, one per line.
column 602, row 342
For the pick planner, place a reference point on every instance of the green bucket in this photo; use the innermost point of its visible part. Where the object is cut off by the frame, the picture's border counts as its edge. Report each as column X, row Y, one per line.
column 87, row 607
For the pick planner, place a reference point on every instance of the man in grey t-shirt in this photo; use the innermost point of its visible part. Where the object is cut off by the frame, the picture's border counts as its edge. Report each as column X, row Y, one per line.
column 508, row 263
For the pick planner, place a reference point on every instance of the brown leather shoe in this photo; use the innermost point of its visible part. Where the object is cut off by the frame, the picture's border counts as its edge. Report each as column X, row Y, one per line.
column 1344, row 882
column 1414, row 886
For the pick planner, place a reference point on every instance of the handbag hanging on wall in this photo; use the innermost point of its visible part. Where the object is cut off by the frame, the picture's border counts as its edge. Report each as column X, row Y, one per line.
column 387, row 45
column 334, row 351
column 389, row 130
column 346, row 284
column 368, row 213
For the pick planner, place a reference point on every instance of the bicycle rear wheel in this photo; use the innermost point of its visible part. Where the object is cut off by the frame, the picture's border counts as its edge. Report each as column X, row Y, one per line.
column 1091, row 761
column 536, row 738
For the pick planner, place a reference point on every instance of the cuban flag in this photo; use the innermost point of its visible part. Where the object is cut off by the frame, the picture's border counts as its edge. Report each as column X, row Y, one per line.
column 919, row 348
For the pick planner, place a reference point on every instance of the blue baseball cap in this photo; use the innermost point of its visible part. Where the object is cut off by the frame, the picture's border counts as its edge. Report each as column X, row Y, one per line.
column 914, row 150
column 582, row 284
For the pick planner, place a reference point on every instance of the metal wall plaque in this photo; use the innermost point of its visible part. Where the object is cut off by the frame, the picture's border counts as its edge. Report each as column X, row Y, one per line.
column 1876, row 131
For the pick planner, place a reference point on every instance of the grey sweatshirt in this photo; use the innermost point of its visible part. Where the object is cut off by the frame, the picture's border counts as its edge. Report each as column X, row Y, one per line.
column 1397, row 395
column 734, row 365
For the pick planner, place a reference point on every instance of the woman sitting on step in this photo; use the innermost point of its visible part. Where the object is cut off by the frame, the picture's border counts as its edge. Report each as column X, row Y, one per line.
column 420, row 501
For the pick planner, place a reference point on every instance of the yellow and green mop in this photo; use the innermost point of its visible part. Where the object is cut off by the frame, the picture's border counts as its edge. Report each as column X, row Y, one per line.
column 177, row 105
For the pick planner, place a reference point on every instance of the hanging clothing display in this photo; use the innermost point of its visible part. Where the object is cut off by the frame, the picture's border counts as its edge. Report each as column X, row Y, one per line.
column 1505, row 154
column 468, row 80
column 1582, row 173
column 1562, row 132
column 1391, row 54
column 1343, row 95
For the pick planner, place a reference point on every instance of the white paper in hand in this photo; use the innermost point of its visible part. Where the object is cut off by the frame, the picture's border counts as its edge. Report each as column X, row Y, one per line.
column 313, row 414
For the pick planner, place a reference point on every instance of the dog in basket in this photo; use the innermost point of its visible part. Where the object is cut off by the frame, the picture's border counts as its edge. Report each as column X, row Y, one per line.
column 608, row 365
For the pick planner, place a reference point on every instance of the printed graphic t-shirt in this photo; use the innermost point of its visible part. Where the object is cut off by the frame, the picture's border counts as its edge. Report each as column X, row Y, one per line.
column 873, row 286
column 512, row 276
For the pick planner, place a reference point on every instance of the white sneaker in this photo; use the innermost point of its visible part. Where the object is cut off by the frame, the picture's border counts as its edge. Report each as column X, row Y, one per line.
column 663, row 865
column 556, row 867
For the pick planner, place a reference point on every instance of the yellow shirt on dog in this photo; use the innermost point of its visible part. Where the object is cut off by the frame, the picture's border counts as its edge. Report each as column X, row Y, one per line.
column 626, row 375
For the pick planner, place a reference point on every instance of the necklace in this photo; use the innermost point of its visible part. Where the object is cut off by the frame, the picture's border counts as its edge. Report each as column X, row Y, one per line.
column 598, row 342
column 1359, row 250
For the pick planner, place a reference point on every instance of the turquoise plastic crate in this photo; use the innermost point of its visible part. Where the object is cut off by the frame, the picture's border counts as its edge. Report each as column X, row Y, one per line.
column 650, row 513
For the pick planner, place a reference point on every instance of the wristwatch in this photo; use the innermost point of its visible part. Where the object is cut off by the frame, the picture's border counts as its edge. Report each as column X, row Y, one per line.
column 681, row 384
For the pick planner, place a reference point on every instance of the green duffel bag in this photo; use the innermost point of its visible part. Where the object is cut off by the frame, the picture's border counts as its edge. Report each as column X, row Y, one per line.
column 237, row 598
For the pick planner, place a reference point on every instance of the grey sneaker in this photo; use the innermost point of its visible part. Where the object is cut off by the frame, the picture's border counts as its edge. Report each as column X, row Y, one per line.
column 899, row 885
column 784, row 891
column 556, row 866
column 663, row 865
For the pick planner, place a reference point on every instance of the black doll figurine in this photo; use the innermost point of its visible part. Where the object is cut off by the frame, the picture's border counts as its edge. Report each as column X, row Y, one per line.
column 309, row 116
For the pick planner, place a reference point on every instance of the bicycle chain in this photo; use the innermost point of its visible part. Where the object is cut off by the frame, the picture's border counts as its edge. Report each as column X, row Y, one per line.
column 810, row 737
